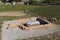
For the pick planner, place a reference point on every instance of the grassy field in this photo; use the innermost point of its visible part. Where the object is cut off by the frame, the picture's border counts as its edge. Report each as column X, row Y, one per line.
column 48, row 11
column 17, row 7
column 11, row 7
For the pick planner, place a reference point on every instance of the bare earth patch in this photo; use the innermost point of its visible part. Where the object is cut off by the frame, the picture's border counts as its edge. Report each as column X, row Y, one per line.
column 14, row 33
column 14, row 13
column 22, row 21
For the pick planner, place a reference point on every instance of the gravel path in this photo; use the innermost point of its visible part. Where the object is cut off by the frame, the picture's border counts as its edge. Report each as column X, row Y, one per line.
column 13, row 34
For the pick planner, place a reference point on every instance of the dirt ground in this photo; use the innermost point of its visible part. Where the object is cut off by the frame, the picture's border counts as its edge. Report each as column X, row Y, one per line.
column 22, row 21
column 14, row 13
column 19, row 34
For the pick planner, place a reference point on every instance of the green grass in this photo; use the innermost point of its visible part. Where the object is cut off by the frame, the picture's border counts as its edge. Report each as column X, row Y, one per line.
column 48, row 11
column 17, row 7
column 11, row 7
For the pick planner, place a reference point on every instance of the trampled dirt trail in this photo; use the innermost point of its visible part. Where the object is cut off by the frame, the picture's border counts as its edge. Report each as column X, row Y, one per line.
column 14, row 13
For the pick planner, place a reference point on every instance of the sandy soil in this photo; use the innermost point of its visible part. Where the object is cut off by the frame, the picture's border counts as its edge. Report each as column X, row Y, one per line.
column 14, row 34
column 14, row 13
column 22, row 21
